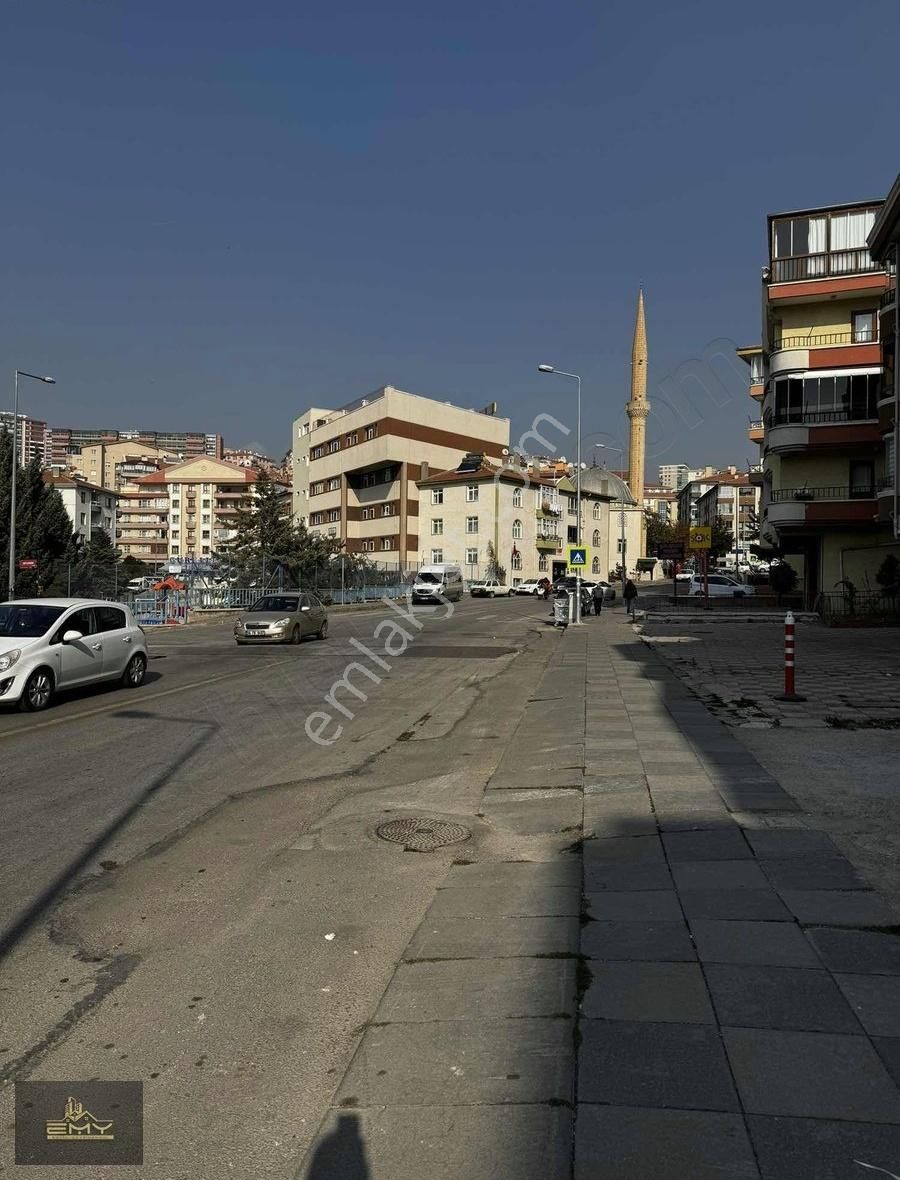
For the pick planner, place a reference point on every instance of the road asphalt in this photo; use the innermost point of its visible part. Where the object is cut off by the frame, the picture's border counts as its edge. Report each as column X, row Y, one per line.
column 638, row 957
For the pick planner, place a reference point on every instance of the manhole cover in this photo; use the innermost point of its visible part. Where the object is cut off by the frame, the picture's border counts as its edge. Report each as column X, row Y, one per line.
column 422, row 835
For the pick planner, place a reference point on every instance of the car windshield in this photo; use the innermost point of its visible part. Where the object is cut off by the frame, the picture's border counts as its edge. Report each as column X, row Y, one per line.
column 433, row 579
column 276, row 602
column 27, row 621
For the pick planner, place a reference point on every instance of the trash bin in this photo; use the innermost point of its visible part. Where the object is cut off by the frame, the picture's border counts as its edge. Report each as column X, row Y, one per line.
column 562, row 607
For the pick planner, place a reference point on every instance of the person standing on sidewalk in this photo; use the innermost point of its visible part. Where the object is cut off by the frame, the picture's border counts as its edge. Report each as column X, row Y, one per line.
column 597, row 595
column 629, row 593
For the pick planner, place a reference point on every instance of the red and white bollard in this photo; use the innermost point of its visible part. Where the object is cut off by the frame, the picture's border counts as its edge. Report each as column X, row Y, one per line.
column 789, row 693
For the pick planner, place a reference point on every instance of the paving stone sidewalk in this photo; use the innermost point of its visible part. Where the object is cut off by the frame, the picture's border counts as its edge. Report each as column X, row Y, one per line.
column 655, row 970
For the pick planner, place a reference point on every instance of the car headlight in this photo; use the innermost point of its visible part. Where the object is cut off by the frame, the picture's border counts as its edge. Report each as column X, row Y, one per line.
column 281, row 623
column 9, row 658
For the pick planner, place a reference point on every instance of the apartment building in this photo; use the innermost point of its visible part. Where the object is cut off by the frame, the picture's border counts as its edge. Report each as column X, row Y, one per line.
column 356, row 469
column 33, row 438
column 248, row 457
column 187, row 510
column 817, row 377
column 90, row 508
column 884, row 246
column 661, row 501
column 118, row 464
column 67, row 441
column 673, row 476
column 734, row 504
column 700, row 482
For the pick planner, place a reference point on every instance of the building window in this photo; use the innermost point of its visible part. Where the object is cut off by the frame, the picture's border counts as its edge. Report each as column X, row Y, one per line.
column 205, row 504
column 387, row 510
column 206, row 487
column 516, row 560
column 437, row 527
column 472, row 493
column 517, row 498
column 571, row 500
column 595, row 566
column 517, row 530
column 368, row 513
column 471, row 557
column 839, row 397
column 371, row 432
column 862, row 479
column 206, row 534
column 437, row 556
column 334, row 445
column 596, row 540
column 437, row 495
column 175, row 534
column 352, row 439
column 83, row 517
column 542, row 563
column 334, row 484
column 317, row 452
column 368, row 546
column 596, row 510
column 863, row 327
column 334, row 514
column 175, row 502
column 387, row 543
column 472, row 523
column 82, row 496
column 316, row 489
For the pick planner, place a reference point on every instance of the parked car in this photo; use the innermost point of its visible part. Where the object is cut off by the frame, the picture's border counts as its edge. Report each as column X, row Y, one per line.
column 285, row 617
column 719, row 585
column 490, row 588
column 138, row 585
column 51, row 644
column 529, row 587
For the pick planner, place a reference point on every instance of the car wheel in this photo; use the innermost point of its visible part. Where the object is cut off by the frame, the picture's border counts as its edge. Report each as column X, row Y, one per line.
column 323, row 630
column 135, row 671
column 38, row 691
column 698, row 593
column 296, row 636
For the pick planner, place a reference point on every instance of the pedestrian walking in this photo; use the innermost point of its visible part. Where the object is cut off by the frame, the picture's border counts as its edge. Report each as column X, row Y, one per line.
column 597, row 595
column 630, row 593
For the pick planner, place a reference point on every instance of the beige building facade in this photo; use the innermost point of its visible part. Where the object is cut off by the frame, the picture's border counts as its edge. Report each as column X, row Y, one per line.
column 90, row 508
column 356, row 469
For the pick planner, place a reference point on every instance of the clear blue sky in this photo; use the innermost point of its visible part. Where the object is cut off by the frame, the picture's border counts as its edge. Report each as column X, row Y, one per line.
column 216, row 212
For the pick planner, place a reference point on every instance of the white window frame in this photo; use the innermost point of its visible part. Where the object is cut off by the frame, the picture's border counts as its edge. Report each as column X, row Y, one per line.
column 472, row 525
column 471, row 557
column 517, row 530
column 437, row 526
column 437, row 495
column 437, row 556
column 472, row 493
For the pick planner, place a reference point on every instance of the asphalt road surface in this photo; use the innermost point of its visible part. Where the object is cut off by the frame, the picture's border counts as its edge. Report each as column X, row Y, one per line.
column 190, row 891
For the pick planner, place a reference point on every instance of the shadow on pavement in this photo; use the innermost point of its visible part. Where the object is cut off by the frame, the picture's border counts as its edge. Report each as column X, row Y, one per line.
column 341, row 1155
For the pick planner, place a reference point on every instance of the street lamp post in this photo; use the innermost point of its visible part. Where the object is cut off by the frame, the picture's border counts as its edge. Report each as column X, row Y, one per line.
column 13, row 473
column 605, row 447
column 575, row 377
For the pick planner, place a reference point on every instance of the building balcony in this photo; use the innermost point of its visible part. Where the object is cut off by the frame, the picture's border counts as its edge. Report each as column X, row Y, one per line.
column 548, row 543
column 757, row 389
column 837, row 264
column 805, row 494
column 755, row 431
column 825, row 339
column 888, row 299
column 548, row 509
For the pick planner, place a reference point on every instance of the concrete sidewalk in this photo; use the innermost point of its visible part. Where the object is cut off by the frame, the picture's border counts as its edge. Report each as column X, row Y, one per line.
column 655, row 968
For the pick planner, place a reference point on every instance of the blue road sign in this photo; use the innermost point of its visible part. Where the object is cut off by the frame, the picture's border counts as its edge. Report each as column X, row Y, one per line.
column 576, row 557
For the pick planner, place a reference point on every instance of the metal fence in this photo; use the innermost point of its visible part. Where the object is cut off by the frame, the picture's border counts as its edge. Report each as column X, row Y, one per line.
column 866, row 606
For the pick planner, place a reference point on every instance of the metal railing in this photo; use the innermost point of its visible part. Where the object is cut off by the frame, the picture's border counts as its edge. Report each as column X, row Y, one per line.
column 886, row 482
column 781, row 495
column 838, row 605
column 888, row 297
column 823, row 266
column 755, row 424
column 824, row 339
column 788, row 417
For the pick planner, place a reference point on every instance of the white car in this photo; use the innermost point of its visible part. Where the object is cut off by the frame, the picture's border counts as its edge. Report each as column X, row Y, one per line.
column 490, row 588
column 51, row 644
column 719, row 585
column 529, row 587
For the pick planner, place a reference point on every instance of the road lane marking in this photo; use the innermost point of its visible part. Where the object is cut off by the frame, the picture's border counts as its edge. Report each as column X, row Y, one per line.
column 142, row 699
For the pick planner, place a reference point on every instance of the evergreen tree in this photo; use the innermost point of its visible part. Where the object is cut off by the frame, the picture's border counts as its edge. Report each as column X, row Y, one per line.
column 43, row 528
column 268, row 540
column 95, row 572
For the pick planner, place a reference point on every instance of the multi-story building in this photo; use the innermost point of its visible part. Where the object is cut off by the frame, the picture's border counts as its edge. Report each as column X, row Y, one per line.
column 118, row 464
column 733, row 503
column 68, row 441
column 248, row 457
column 188, row 510
column 820, row 368
column 90, row 508
column 884, row 246
column 673, row 476
column 356, row 468
column 33, row 438
column 662, row 502
column 700, row 482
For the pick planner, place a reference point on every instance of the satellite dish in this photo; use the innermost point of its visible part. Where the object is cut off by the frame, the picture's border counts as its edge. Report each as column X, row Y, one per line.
column 505, row 451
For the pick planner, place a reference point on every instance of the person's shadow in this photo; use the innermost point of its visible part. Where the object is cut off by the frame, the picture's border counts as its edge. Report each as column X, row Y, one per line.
column 342, row 1154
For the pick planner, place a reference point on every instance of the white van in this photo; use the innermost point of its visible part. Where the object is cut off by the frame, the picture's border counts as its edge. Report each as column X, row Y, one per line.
column 136, row 585
column 434, row 582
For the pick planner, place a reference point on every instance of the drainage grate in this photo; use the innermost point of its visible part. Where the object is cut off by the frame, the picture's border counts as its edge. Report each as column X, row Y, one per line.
column 422, row 835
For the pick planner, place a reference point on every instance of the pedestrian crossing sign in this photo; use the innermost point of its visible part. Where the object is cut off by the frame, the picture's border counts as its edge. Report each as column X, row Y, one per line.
column 576, row 558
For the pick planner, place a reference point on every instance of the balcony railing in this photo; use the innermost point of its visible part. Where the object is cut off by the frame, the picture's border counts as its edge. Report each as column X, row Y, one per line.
column 885, row 483
column 755, row 424
column 782, row 495
column 888, row 297
column 824, row 339
column 819, row 417
column 823, row 266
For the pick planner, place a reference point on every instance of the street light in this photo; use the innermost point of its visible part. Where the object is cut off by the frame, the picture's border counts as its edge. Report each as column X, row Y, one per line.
column 12, row 481
column 575, row 377
column 621, row 451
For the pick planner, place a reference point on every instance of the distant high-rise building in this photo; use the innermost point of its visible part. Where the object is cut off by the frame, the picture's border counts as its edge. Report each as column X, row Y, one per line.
column 673, row 476
column 186, row 444
column 33, row 438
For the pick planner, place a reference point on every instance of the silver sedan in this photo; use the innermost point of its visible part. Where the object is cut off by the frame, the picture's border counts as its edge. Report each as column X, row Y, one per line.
column 285, row 617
